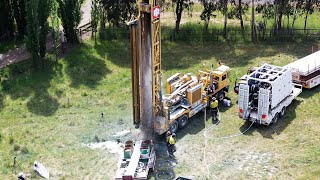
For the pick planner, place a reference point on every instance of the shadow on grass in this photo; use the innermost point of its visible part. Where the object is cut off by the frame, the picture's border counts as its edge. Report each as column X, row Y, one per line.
column 117, row 51
column 307, row 93
column 275, row 128
column 194, row 126
column 84, row 67
column 43, row 104
column 24, row 83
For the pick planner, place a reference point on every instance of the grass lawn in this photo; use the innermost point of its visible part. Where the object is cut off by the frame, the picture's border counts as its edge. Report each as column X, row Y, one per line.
column 49, row 116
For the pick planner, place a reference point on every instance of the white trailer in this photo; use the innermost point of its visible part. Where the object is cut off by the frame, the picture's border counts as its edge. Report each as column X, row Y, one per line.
column 306, row 71
column 266, row 94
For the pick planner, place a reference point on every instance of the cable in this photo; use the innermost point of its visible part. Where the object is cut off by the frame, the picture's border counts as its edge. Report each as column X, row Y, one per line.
column 206, row 143
column 224, row 137
column 206, row 140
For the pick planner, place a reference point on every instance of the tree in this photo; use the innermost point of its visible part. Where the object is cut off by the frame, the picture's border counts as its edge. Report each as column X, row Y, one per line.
column 19, row 11
column 297, row 11
column 95, row 16
column 37, row 29
column 281, row 6
column 55, row 24
column 32, row 39
column 268, row 12
column 209, row 6
column 44, row 8
column 6, row 19
column 309, row 9
column 70, row 14
column 238, row 9
column 118, row 11
column 253, row 22
column 223, row 7
column 180, row 5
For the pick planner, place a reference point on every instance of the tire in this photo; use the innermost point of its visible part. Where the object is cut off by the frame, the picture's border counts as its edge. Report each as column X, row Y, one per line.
column 275, row 118
column 221, row 96
column 174, row 127
column 183, row 121
column 283, row 111
column 236, row 89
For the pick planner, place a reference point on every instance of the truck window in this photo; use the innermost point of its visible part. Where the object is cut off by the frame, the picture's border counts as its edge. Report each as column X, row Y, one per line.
column 224, row 77
column 216, row 78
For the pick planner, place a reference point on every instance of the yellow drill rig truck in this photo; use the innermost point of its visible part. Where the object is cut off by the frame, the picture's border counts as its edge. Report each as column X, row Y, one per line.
column 187, row 95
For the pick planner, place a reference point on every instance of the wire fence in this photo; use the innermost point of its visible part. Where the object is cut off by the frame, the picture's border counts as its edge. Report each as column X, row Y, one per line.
column 218, row 35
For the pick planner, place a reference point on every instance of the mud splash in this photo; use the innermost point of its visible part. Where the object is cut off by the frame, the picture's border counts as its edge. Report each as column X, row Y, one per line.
column 111, row 146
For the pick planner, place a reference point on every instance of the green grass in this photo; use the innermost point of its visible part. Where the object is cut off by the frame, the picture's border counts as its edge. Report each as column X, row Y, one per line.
column 49, row 116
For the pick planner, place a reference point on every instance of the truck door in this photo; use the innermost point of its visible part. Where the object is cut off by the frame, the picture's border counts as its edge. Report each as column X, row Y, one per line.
column 263, row 105
column 243, row 100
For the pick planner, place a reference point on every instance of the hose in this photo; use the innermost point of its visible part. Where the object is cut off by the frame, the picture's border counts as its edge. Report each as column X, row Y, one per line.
column 224, row 137
column 215, row 138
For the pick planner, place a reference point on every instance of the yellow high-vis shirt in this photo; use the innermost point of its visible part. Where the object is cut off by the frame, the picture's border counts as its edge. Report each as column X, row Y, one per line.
column 171, row 140
column 214, row 104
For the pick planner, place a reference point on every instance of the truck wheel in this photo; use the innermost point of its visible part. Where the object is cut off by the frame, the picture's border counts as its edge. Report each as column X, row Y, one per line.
column 183, row 121
column 174, row 127
column 283, row 111
column 275, row 118
column 236, row 89
column 221, row 96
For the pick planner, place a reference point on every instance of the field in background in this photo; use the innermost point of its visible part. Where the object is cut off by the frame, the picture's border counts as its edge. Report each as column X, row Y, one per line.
column 50, row 116
column 168, row 19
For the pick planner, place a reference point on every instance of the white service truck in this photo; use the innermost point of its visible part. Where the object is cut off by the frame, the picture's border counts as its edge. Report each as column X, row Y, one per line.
column 268, row 91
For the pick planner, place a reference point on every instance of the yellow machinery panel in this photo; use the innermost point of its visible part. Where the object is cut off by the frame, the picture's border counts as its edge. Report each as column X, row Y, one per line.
column 194, row 95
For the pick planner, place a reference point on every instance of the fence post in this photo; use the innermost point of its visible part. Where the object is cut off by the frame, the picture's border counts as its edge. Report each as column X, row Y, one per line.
column 218, row 35
column 212, row 34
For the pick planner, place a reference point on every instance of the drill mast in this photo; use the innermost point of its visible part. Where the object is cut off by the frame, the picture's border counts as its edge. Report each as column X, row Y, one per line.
column 146, row 63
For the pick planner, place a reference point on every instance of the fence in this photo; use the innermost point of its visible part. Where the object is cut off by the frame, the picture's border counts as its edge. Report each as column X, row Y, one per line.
column 217, row 35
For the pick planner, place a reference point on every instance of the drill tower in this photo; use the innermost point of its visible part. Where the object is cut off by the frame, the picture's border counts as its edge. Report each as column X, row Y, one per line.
column 146, row 65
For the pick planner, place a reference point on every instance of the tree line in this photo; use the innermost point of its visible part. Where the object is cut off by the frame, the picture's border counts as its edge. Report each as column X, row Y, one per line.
column 117, row 12
column 29, row 19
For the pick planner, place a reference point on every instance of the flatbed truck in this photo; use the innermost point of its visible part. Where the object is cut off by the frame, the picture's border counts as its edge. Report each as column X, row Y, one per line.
column 306, row 71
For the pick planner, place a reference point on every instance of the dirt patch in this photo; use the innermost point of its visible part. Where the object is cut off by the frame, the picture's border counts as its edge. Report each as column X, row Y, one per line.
column 254, row 164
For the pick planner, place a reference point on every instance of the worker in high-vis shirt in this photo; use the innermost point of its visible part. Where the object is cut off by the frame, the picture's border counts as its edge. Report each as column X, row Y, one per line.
column 171, row 141
column 214, row 108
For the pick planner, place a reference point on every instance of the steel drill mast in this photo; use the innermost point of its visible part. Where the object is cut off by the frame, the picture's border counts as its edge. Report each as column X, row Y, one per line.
column 146, row 63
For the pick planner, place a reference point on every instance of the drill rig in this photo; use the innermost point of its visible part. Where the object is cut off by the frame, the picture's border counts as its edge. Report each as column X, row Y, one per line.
column 186, row 95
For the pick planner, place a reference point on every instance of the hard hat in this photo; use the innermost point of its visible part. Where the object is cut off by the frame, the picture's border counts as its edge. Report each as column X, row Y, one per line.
column 213, row 98
column 173, row 134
